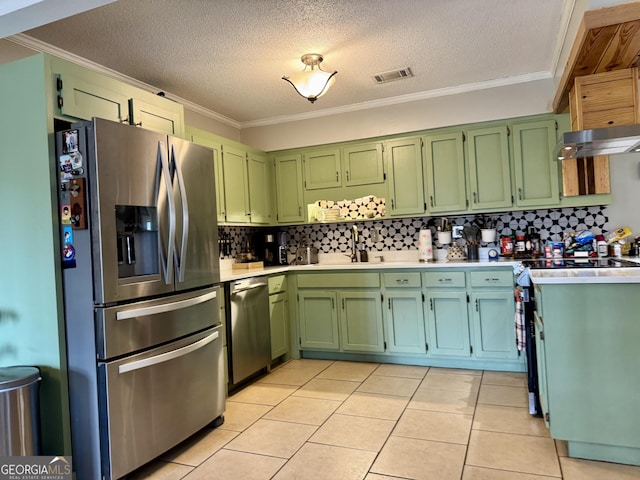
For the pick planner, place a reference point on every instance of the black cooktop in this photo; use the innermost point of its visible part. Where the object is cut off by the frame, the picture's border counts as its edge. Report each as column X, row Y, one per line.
column 579, row 263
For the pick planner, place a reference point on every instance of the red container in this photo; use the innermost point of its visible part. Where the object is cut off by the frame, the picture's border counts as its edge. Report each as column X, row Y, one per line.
column 506, row 246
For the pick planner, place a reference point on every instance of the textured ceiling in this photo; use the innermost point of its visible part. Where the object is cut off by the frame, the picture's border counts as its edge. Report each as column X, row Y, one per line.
column 229, row 55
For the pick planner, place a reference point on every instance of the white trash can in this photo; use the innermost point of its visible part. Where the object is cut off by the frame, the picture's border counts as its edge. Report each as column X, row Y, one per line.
column 19, row 411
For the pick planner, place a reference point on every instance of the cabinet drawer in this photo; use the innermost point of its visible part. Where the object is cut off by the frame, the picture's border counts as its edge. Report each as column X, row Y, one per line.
column 494, row 278
column 409, row 279
column 339, row 280
column 444, row 279
column 277, row 283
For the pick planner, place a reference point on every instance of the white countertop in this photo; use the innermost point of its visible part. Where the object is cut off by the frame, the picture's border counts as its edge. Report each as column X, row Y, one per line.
column 408, row 259
column 405, row 259
column 586, row 275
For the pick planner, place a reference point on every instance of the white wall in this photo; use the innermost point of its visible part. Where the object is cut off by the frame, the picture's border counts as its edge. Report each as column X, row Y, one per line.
column 625, row 185
column 517, row 100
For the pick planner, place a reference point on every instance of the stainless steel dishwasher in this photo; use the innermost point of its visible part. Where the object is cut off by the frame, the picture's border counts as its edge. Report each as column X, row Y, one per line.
column 248, row 332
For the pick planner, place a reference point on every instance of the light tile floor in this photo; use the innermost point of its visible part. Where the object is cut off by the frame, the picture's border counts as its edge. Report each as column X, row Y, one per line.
column 325, row 420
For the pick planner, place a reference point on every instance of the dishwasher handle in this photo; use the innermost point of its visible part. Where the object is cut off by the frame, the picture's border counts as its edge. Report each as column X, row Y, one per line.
column 243, row 287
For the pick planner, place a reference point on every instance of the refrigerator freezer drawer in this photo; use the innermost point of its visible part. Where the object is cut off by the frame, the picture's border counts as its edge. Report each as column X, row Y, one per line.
column 129, row 328
column 152, row 401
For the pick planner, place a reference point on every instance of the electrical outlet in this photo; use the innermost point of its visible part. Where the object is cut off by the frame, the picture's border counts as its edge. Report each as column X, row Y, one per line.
column 456, row 231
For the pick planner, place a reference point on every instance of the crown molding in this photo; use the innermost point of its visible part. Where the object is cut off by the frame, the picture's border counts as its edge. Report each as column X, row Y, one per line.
column 43, row 47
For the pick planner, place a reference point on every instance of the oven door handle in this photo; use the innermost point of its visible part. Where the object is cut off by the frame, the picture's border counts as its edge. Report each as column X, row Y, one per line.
column 165, row 357
column 165, row 307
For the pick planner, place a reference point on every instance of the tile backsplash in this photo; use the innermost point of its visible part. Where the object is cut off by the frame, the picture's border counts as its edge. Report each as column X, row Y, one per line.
column 402, row 233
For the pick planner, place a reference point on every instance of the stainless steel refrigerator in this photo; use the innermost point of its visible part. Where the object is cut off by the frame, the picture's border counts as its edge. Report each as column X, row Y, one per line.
column 140, row 275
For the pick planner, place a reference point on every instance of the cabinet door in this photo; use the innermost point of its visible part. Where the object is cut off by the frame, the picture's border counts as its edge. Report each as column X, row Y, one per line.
column 83, row 99
column 157, row 114
column 258, row 192
column 234, row 165
column 444, row 173
column 279, row 323
column 322, row 169
column 207, row 140
column 493, row 325
column 361, row 321
column 289, row 189
column 536, row 171
column 406, row 190
column 363, row 164
column 447, row 323
column 318, row 316
column 489, row 175
column 404, row 321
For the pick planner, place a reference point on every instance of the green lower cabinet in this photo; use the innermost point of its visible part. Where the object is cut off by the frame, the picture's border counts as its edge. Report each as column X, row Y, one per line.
column 361, row 322
column 445, row 314
column 318, row 320
column 404, row 323
column 492, row 316
column 590, row 367
column 279, row 322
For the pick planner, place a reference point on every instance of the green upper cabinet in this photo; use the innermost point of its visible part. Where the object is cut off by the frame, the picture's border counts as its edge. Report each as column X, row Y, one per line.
column 444, row 173
column 535, row 169
column 156, row 113
column 234, row 166
column 322, row 169
column 489, row 172
column 363, row 164
column 289, row 194
column 404, row 165
column 257, row 170
column 84, row 94
column 209, row 140
column 80, row 98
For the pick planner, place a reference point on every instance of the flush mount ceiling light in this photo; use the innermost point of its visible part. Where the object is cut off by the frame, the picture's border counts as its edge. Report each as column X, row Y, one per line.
column 313, row 82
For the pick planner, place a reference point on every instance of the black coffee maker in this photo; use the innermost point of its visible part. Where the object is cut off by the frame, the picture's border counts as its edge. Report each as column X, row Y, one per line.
column 275, row 248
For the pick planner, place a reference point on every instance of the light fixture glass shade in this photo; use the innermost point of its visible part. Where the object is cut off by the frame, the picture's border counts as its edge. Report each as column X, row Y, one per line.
column 312, row 82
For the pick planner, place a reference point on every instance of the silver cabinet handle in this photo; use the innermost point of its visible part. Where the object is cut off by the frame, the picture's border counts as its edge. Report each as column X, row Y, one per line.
column 402, row 280
column 165, row 307
column 165, row 357
column 491, row 279
column 475, row 197
column 445, row 279
column 431, row 199
column 520, row 194
column 337, row 176
column 477, row 306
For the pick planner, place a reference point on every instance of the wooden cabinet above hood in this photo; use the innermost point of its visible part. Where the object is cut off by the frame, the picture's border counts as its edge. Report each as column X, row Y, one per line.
column 607, row 39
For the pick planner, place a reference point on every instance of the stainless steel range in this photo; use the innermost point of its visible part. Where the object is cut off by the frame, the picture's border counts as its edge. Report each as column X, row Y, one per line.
column 144, row 337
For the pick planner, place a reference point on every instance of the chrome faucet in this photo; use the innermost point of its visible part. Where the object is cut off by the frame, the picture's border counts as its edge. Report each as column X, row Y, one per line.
column 354, row 243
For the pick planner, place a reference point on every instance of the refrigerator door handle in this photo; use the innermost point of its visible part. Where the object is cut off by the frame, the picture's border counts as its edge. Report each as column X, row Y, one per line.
column 165, row 307
column 166, row 175
column 182, row 258
column 165, row 357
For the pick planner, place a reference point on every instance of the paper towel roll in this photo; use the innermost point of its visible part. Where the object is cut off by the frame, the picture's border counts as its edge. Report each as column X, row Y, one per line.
column 425, row 247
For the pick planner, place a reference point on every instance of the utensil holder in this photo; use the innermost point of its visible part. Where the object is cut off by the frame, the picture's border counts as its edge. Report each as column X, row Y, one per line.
column 444, row 238
column 488, row 235
column 472, row 252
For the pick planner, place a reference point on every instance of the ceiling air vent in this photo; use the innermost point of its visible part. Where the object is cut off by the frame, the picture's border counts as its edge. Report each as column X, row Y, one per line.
column 392, row 75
